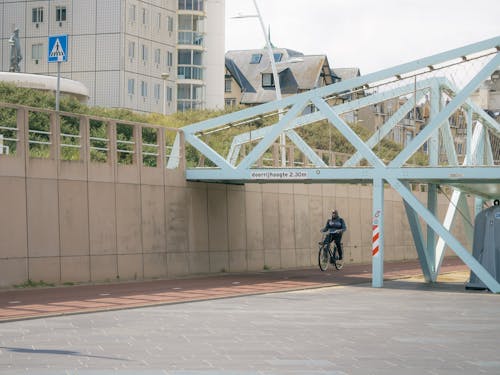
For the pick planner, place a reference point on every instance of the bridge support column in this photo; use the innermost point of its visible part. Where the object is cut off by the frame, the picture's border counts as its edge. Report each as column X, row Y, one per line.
column 378, row 234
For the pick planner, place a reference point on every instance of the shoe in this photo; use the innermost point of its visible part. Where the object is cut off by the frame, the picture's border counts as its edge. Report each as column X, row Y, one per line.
column 320, row 243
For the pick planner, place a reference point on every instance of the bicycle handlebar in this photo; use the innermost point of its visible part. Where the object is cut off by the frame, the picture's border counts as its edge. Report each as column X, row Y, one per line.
column 334, row 232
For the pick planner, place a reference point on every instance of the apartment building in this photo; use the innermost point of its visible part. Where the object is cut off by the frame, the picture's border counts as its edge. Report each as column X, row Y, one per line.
column 147, row 56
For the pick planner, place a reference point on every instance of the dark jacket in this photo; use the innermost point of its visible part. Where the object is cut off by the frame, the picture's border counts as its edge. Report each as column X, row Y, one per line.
column 334, row 224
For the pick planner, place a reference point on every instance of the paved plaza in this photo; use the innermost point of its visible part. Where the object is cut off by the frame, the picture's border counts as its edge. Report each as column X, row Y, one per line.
column 407, row 327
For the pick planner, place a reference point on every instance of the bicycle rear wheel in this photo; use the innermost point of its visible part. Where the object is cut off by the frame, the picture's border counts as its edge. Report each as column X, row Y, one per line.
column 323, row 257
column 336, row 261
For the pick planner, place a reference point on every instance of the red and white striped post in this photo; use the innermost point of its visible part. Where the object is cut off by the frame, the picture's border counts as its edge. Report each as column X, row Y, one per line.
column 378, row 234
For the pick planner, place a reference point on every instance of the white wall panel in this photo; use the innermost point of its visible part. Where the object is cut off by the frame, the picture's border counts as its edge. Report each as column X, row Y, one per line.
column 108, row 88
column 107, row 52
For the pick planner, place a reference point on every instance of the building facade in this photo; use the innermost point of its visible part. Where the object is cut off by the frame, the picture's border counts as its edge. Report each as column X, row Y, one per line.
column 147, row 56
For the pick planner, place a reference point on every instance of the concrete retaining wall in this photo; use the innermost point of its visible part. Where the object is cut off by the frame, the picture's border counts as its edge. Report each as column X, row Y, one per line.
column 79, row 221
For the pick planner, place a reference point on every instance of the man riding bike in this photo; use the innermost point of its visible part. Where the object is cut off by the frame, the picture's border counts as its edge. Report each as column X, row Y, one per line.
column 335, row 227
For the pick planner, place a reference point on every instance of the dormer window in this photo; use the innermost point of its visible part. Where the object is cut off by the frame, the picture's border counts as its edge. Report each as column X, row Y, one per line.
column 267, row 80
column 256, row 57
column 277, row 57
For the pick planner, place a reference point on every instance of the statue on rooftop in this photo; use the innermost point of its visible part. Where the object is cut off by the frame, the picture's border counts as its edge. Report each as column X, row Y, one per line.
column 15, row 51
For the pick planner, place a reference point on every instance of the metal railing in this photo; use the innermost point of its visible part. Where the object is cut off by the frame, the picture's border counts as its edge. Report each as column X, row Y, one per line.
column 73, row 137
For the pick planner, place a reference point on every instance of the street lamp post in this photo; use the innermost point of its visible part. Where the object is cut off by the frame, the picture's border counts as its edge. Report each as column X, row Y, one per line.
column 275, row 74
column 165, row 76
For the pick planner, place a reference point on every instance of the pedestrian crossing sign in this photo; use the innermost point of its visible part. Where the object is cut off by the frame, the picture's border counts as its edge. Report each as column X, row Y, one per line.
column 58, row 48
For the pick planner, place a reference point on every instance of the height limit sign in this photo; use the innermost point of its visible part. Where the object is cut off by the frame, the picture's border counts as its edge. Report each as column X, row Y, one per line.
column 58, row 48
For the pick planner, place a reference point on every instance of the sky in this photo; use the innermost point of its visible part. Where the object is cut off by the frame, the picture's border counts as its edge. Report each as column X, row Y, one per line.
column 368, row 34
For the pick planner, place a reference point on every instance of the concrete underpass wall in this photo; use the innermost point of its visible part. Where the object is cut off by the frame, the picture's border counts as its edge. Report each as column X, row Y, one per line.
column 71, row 230
column 78, row 221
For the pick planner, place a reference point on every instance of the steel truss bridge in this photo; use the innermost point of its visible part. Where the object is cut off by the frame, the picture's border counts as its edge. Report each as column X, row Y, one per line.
column 445, row 82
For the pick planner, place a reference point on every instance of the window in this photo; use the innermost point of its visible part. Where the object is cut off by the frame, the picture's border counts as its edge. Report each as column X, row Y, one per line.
column 157, row 91
column 170, row 23
column 459, row 148
column 144, row 89
column 169, row 94
column 184, row 57
column 185, row 22
column 230, row 102
column 170, row 58
column 131, row 14
column 131, row 86
column 158, row 21
column 255, row 58
column 157, row 56
column 227, row 85
column 267, row 80
column 144, row 53
column 197, row 58
column 37, row 15
column 397, row 134
column 277, row 57
column 60, row 14
column 144, row 16
column 409, row 137
column 131, row 50
column 37, row 52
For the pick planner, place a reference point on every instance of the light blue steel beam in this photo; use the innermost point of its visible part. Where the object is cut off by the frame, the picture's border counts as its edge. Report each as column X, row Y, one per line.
column 418, row 239
column 468, row 154
column 305, row 149
column 433, row 147
column 488, row 150
column 420, row 139
column 175, row 153
column 441, row 175
column 342, row 86
column 452, row 242
column 449, row 144
column 458, row 202
column 209, row 153
column 477, row 142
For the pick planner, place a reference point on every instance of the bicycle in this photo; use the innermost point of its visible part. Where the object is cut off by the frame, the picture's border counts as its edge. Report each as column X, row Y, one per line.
column 328, row 256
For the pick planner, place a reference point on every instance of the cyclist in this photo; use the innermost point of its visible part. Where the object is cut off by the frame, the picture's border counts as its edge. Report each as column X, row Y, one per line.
column 335, row 226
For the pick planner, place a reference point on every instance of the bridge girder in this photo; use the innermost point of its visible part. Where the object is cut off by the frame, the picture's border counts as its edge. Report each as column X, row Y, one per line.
column 478, row 169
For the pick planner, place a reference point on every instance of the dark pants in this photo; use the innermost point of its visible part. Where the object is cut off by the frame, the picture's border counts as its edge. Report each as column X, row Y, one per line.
column 336, row 237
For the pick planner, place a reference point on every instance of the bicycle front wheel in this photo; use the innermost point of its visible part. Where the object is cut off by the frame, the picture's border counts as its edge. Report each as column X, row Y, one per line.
column 323, row 257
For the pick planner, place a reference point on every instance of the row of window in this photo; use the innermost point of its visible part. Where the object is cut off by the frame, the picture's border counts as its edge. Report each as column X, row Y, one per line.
column 191, row 5
column 37, row 53
column 37, row 14
column 144, row 52
column 158, row 19
column 157, row 90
